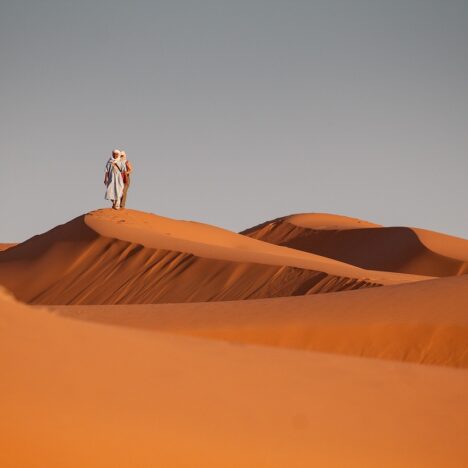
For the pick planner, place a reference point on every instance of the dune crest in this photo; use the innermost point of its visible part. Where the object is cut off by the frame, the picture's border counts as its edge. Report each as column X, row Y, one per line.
column 6, row 246
column 110, row 257
column 366, row 245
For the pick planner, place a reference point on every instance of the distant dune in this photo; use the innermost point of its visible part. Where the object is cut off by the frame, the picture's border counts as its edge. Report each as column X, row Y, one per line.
column 6, row 246
column 124, row 257
column 75, row 394
column 367, row 245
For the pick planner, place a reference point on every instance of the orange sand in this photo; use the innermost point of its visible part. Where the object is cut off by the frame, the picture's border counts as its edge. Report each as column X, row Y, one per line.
column 367, row 245
column 424, row 322
column 6, row 246
column 326, row 380
column 76, row 394
column 112, row 257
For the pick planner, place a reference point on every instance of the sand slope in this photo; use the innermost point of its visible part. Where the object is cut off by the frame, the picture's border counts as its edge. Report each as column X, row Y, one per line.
column 110, row 257
column 6, row 246
column 367, row 245
column 75, row 394
column 424, row 322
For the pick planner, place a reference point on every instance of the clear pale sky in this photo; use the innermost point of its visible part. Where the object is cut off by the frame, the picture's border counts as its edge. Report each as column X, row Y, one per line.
column 235, row 112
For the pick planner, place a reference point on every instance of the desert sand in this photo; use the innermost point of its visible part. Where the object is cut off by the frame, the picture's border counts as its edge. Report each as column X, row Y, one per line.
column 424, row 322
column 6, row 246
column 368, row 245
column 160, row 260
column 147, row 341
column 81, row 394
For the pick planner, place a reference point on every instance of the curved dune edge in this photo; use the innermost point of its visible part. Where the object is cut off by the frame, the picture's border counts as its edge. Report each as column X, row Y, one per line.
column 6, row 246
column 446, row 245
column 367, row 245
column 72, row 264
column 328, row 221
column 77, row 394
column 109, row 257
column 424, row 322
column 206, row 241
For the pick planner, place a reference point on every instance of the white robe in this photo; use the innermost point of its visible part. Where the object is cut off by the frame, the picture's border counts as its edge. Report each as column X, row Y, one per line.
column 115, row 183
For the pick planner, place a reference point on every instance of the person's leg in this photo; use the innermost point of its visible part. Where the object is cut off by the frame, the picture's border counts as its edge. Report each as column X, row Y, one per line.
column 124, row 195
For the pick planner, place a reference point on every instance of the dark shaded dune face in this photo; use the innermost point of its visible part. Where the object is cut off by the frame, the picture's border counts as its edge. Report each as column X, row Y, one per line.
column 72, row 264
column 392, row 249
column 28, row 268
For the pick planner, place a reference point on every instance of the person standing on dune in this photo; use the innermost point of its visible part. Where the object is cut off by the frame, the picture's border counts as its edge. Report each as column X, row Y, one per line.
column 126, row 177
column 113, row 179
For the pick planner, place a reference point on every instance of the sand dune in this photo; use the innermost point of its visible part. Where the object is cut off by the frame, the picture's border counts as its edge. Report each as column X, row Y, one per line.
column 110, row 257
column 367, row 245
column 76, row 394
column 6, row 246
column 277, row 382
column 424, row 322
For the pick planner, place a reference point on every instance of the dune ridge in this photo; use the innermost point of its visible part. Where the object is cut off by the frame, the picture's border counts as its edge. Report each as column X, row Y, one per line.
column 110, row 257
column 424, row 322
column 367, row 245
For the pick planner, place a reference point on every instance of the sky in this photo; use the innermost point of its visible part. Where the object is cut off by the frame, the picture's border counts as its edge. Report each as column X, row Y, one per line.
column 235, row 112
